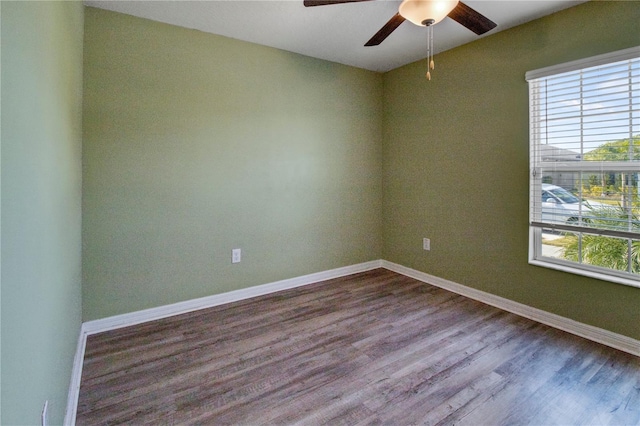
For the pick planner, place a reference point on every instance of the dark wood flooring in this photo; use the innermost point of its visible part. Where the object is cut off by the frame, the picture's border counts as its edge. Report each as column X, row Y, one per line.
column 370, row 348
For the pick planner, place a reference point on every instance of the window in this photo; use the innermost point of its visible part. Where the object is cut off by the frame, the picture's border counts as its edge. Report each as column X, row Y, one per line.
column 585, row 167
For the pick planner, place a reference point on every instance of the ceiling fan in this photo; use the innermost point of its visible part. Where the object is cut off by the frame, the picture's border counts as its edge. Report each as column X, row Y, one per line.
column 423, row 12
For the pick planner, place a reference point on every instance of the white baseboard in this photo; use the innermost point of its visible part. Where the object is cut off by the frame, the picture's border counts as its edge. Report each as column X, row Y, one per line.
column 76, row 376
column 609, row 338
column 152, row 314
column 596, row 334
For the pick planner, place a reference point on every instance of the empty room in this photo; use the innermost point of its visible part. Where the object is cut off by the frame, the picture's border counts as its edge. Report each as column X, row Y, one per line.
column 314, row 212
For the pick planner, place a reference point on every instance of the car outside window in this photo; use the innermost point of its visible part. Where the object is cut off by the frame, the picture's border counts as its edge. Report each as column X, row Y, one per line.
column 564, row 196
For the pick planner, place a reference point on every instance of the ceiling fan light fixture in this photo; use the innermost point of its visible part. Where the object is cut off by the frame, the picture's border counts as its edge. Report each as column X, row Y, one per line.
column 423, row 12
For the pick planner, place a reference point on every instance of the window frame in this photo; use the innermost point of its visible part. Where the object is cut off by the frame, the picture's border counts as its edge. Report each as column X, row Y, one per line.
column 535, row 180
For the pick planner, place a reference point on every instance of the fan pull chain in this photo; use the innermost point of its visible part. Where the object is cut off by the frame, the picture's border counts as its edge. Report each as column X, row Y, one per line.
column 430, row 62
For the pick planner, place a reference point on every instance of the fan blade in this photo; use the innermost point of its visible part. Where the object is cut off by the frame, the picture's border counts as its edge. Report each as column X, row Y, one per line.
column 386, row 30
column 475, row 21
column 311, row 3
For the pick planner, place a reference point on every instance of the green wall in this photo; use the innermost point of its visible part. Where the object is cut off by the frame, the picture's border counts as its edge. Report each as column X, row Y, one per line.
column 456, row 164
column 196, row 144
column 41, row 202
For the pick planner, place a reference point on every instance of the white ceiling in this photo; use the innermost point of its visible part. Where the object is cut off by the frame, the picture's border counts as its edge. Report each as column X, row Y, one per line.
column 336, row 32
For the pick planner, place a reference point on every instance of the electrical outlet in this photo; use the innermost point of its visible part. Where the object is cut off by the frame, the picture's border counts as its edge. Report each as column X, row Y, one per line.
column 236, row 255
column 45, row 414
column 426, row 244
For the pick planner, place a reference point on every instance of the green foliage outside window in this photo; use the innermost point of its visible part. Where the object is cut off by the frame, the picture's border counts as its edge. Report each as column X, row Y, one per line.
column 616, row 151
column 607, row 252
column 610, row 185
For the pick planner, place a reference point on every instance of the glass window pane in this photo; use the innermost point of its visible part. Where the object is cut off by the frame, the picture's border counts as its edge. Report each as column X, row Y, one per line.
column 612, row 200
column 554, row 243
column 606, row 252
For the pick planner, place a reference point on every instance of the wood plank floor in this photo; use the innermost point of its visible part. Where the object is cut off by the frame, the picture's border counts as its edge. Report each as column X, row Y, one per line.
column 370, row 348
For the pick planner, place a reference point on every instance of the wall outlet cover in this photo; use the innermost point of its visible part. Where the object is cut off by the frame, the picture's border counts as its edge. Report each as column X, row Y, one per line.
column 236, row 255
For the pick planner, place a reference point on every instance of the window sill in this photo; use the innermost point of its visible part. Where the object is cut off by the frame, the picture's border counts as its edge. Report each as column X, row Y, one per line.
column 584, row 272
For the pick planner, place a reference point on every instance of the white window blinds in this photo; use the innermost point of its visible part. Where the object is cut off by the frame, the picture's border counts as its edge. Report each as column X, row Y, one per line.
column 585, row 145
